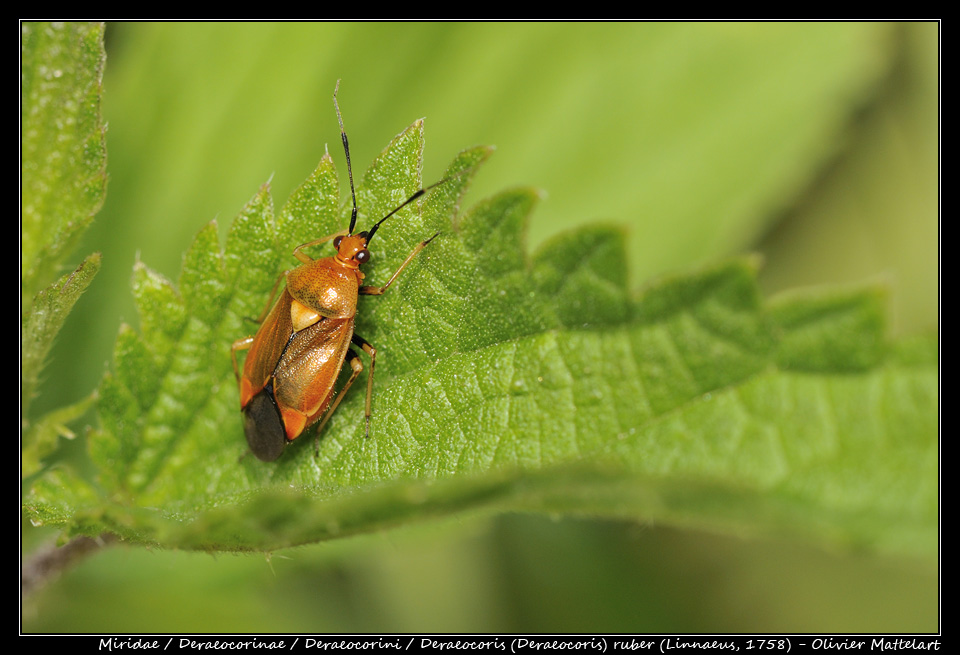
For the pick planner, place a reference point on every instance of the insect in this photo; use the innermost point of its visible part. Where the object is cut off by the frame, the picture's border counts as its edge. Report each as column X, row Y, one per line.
column 294, row 359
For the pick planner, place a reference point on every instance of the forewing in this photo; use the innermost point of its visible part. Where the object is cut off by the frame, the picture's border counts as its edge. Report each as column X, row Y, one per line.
column 267, row 346
column 308, row 372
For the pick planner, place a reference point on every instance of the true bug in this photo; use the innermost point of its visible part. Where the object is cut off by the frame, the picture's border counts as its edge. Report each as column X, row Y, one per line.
column 298, row 352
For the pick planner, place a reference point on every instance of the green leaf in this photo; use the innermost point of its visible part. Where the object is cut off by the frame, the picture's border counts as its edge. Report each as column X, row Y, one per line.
column 63, row 143
column 43, row 321
column 724, row 130
column 42, row 438
column 63, row 181
column 508, row 382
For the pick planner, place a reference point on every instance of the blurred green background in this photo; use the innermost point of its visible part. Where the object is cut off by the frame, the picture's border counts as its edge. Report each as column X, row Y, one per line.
column 813, row 144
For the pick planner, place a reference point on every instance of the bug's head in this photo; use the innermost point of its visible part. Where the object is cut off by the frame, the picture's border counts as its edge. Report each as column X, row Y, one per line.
column 352, row 249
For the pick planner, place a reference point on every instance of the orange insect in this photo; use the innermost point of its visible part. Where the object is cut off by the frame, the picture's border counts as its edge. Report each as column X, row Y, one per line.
column 299, row 350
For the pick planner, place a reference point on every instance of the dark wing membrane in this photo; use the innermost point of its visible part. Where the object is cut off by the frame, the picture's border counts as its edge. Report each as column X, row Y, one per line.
column 264, row 427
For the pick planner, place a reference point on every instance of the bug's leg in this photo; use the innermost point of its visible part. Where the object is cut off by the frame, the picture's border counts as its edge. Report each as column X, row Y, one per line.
column 304, row 257
column 239, row 344
column 372, row 352
column 357, row 367
column 376, row 291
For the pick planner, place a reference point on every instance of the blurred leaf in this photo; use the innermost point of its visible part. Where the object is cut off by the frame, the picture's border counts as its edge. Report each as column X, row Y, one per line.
column 63, row 182
column 46, row 431
column 48, row 312
column 508, row 382
column 874, row 214
column 63, row 148
column 43, row 321
column 695, row 133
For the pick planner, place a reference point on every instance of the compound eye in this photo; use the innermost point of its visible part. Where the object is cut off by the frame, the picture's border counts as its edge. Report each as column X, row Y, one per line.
column 336, row 241
column 362, row 256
